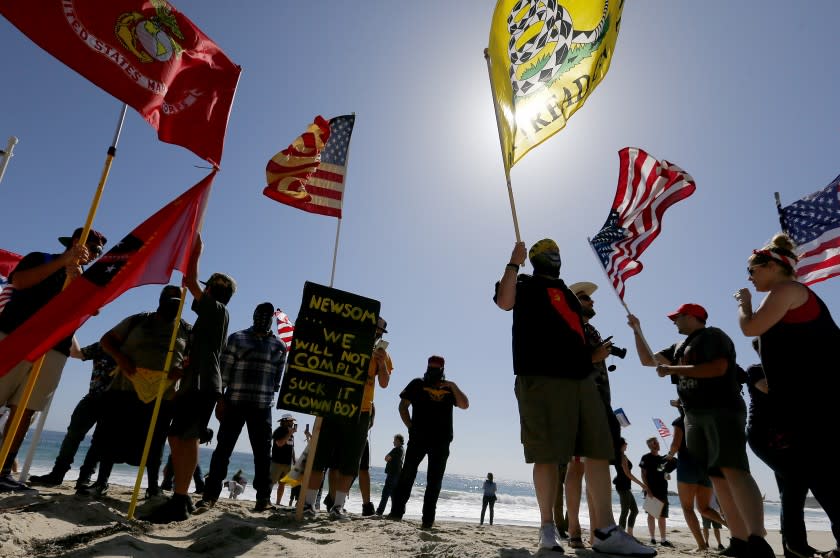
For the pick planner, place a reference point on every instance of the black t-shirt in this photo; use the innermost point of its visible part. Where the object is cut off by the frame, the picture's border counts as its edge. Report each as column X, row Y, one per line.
column 622, row 481
column 548, row 337
column 655, row 479
column 431, row 411
column 284, row 454
column 759, row 405
column 394, row 465
column 702, row 346
column 25, row 302
column 209, row 335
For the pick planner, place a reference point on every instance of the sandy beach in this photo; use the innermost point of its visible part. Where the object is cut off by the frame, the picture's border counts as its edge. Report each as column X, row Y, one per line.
column 56, row 523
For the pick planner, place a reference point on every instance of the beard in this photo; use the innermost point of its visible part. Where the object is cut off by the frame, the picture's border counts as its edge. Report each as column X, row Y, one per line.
column 588, row 312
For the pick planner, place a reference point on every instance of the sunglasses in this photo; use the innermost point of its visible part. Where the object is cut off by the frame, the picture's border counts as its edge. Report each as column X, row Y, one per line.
column 585, row 298
column 751, row 269
column 95, row 251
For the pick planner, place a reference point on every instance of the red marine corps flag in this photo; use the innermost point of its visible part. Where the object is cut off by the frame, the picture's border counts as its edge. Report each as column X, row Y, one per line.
column 146, row 54
column 148, row 255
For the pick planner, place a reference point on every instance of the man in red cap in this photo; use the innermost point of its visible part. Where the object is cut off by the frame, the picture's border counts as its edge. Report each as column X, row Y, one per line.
column 703, row 368
column 431, row 399
column 36, row 279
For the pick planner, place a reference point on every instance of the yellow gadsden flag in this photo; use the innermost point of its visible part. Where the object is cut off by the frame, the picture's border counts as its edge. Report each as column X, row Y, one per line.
column 546, row 57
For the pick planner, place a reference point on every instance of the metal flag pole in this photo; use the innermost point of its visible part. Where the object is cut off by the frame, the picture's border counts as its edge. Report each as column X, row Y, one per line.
column 17, row 416
column 638, row 330
column 33, row 443
column 501, row 145
column 7, row 154
column 338, row 225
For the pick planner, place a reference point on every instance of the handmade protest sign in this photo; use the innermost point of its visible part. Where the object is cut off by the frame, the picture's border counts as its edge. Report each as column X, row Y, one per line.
column 330, row 355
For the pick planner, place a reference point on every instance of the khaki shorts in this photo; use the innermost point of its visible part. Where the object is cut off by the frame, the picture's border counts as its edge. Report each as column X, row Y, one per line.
column 560, row 418
column 278, row 471
column 13, row 383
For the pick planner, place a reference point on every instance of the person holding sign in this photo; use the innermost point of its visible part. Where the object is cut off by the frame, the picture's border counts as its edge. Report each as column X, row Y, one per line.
column 342, row 441
column 431, row 399
column 252, row 364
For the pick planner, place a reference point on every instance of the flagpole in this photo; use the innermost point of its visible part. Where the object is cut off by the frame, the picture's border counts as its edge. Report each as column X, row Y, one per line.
column 504, row 155
column 780, row 212
column 7, row 155
column 33, row 443
column 17, row 416
column 637, row 329
column 161, row 389
column 338, row 225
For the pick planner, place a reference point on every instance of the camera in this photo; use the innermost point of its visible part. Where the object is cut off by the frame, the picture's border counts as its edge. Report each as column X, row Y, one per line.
column 618, row 351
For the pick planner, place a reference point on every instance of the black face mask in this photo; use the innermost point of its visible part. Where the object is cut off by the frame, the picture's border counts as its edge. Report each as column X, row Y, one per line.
column 168, row 308
column 262, row 322
column 433, row 375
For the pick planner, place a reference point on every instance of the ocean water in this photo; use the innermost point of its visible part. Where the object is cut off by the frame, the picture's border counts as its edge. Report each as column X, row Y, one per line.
column 460, row 498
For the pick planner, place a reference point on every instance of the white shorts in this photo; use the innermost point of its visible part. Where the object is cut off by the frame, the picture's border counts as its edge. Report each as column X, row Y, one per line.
column 13, row 383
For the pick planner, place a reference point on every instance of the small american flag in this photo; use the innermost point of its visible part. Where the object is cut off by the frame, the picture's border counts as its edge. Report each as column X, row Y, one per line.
column 8, row 262
column 663, row 429
column 646, row 188
column 285, row 328
column 814, row 225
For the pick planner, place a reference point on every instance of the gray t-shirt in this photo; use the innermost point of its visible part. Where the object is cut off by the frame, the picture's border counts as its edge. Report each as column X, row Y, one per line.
column 209, row 335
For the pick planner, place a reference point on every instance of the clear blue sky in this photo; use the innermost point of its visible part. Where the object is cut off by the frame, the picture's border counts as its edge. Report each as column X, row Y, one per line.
column 743, row 95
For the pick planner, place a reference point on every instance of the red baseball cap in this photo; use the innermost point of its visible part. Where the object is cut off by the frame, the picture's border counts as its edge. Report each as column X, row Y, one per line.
column 691, row 309
column 436, row 361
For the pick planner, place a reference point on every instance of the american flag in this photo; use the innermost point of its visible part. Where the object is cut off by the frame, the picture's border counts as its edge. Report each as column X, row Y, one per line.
column 326, row 184
column 663, row 429
column 285, row 328
column 646, row 188
column 814, row 225
column 8, row 262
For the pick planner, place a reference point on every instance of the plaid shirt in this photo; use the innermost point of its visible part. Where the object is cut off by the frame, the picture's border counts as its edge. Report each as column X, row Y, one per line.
column 252, row 366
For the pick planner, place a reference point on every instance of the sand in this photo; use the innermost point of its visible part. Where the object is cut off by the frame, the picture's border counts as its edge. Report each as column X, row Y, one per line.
column 56, row 523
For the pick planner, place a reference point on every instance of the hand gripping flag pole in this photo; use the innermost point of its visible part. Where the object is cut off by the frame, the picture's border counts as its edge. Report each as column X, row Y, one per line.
column 17, row 416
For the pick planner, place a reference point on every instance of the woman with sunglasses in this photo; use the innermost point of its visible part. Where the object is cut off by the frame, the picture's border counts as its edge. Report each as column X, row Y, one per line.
column 798, row 340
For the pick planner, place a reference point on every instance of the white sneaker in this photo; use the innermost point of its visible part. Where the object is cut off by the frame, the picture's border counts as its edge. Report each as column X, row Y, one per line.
column 616, row 541
column 338, row 512
column 549, row 539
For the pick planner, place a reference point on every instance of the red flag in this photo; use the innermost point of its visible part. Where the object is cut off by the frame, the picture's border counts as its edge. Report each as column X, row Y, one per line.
column 146, row 54
column 288, row 170
column 325, row 186
column 646, row 188
column 285, row 328
column 8, row 262
column 146, row 256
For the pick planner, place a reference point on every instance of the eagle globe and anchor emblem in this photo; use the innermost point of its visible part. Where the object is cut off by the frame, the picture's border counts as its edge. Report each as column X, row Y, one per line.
column 544, row 43
column 150, row 38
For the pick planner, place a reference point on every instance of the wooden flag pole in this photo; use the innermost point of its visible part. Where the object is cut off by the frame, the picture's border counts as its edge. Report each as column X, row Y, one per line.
column 501, row 145
column 638, row 330
column 17, row 416
column 156, row 411
column 7, row 154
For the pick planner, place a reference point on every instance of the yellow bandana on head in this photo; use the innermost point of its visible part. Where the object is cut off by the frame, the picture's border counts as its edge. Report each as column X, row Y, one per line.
column 541, row 247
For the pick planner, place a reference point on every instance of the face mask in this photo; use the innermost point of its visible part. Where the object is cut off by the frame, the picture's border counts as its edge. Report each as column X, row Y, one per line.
column 433, row 375
column 262, row 321
column 547, row 263
column 168, row 308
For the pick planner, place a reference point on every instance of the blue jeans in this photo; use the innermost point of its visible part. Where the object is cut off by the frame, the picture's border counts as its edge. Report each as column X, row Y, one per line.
column 258, row 421
column 387, row 489
column 438, row 455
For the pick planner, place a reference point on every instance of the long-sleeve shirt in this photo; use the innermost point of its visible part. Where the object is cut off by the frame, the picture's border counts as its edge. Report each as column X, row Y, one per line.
column 252, row 366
